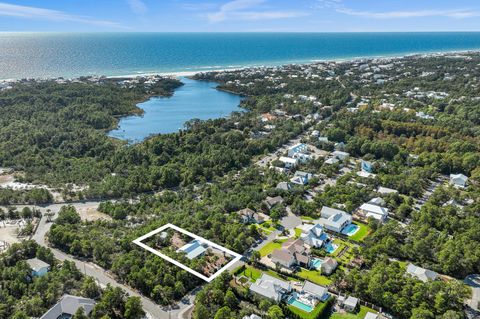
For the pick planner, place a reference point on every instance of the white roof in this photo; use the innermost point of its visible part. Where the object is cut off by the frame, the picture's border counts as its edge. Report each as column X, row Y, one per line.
column 374, row 209
column 69, row 305
column 377, row 201
column 314, row 289
column 421, row 273
column 351, row 301
column 290, row 160
column 37, row 264
column 458, row 177
column 370, row 315
column 269, row 286
column 386, row 190
column 326, row 211
column 252, row 316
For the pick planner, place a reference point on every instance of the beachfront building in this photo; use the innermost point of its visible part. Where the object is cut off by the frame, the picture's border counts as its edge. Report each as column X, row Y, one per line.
column 421, row 273
column 370, row 210
column 271, row 287
column 68, row 306
column 458, row 180
column 193, row 249
column 39, row 267
column 334, row 219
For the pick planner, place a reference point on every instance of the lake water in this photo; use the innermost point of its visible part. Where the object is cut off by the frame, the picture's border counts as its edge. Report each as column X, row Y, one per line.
column 195, row 99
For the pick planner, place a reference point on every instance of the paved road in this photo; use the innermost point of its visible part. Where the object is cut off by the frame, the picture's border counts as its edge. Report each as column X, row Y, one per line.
column 101, row 275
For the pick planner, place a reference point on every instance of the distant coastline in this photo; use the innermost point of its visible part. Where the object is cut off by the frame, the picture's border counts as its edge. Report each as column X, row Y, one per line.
column 129, row 55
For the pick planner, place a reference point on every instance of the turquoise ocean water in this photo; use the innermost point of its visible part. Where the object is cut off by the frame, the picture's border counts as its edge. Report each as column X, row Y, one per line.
column 69, row 55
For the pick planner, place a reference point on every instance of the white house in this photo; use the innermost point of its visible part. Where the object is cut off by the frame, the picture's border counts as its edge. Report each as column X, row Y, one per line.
column 317, row 291
column 421, row 273
column 68, row 306
column 313, row 235
column 340, row 155
column 252, row 316
column 39, row 267
column 385, row 190
column 271, row 287
column 289, row 162
column 378, row 212
column 370, row 315
column 334, row 219
column 458, row 180
column 297, row 148
column 332, row 160
column 193, row 249
column 350, row 304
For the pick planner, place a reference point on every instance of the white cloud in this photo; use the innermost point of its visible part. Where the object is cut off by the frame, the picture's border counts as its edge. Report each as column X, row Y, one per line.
column 411, row 14
column 13, row 10
column 137, row 6
column 242, row 10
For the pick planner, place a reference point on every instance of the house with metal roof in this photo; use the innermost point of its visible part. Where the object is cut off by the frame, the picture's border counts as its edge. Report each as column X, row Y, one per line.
column 334, row 219
column 271, row 287
column 317, row 291
column 421, row 273
column 193, row 249
column 39, row 267
column 370, row 210
column 68, row 306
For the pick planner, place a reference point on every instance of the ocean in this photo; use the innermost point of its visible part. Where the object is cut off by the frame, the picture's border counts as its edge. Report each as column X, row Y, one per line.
column 45, row 55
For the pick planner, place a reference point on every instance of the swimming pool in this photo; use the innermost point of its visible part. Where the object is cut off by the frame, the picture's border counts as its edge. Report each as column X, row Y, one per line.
column 350, row 229
column 316, row 263
column 300, row 305
column 331, row 247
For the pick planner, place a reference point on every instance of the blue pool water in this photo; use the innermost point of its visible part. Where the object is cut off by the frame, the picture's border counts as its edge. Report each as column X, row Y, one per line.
column 317, row 263
column 121, row 53
column 300, row 305
column 195, row 99
column 350, row 230
column 331, row 247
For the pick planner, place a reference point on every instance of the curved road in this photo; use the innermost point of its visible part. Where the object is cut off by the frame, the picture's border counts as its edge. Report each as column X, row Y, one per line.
column 101, row 275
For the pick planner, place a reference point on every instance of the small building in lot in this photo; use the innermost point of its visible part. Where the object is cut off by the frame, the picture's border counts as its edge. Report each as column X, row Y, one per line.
column 193, row 249
column 350, row 304
column 271, row 287
column 39, row 267
column 421, row 273
column 68, row 306
column 458, row 180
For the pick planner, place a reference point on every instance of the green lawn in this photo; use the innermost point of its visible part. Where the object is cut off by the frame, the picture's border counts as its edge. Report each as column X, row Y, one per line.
column 307, row 218
column 348, row 255
column 362, row 233
column 250, row 272
column 298, row 232
column 271, row 246
column 360, row 315
column 314, row 314
column 314, row 276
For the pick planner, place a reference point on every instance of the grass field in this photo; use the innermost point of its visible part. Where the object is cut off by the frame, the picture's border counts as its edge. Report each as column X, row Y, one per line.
column 254, row 273
column 316, row 313
column 362, row 233
column 298, row 232
column 360, row 315
column 314, row 276
column 271, row 246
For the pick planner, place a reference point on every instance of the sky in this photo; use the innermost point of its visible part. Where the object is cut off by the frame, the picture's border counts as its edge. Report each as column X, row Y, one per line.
column 239, row 15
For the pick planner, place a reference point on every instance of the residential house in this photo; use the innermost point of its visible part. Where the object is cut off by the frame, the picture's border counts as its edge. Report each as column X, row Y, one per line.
column 271, row 287
column 288, row 162
column 366, row 174
column 252, row 316
column 332, row 160
column 458, row 180
column 350, row 304
column 39, row 267
column 328, row 266
column 284, row 186
column 323, row 139
column 340, row 155
column 386, row 190
column 273, row 201
column 68, row 306
column 314, row 236
column 334, row 219
column 283, row 257
column 370, row 210
column 370, row 315
column 421, row 273
column 317, row 291
column 249, row 216
column 193, row 249
column 366, row 166
column 297, row 148
column 377, row 201
column 292, row 253
column 301, row 178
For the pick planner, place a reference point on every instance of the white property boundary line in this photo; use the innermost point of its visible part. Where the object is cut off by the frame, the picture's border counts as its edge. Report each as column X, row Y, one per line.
column 236, row 256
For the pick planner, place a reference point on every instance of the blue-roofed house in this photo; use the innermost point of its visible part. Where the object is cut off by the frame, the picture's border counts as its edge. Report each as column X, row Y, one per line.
column 193, row 249
column 366, row 166
column 297, row 148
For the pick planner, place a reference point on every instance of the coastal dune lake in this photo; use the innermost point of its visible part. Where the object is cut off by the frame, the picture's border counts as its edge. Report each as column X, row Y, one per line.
column 195, row 99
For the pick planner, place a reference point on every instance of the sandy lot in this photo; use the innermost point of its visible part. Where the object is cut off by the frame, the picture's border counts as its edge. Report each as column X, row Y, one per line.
column 91, row 214
column 8, row 233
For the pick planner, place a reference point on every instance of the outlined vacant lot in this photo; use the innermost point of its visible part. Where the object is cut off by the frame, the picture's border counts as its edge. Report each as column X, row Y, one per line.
column 235, row 257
